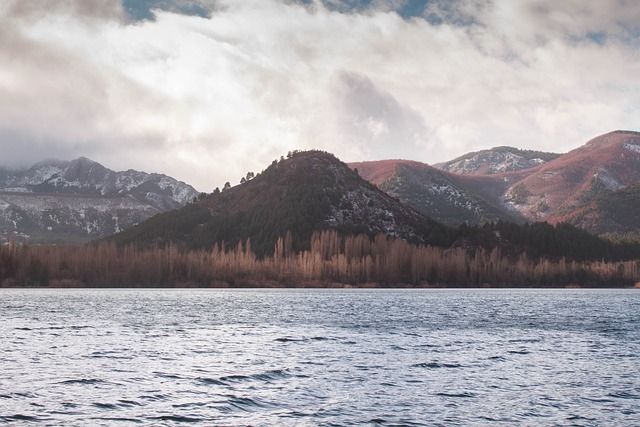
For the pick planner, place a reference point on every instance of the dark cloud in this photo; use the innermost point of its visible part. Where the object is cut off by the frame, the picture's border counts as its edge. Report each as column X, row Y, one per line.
column 376, row 121
column 27, row 149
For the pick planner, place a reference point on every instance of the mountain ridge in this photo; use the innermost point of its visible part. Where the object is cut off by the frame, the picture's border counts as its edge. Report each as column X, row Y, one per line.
column 449, row 198
column 571, row 187
column 79, row 200
column 592, row 186
column 496, row 160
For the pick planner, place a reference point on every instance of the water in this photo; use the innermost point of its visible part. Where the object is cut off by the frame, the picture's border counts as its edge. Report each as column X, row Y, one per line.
column 320, row 357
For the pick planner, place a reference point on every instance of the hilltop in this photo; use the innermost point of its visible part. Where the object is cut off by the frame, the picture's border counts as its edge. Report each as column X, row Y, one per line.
column 496, row 160
column 594, row 186
column 306, row 192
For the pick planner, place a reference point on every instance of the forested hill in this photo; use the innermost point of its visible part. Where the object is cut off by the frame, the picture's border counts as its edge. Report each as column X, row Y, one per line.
column 306, row 192
column 313, row 191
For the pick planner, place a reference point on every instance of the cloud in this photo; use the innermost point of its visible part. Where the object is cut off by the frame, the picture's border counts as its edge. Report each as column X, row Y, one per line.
column 208, row 96
column 86, row 10
column 373, row 121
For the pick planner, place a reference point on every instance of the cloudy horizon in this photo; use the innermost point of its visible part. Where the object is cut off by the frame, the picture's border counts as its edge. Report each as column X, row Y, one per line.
column 207, row 90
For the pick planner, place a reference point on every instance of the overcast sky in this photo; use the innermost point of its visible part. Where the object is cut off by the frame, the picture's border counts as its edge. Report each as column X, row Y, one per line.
column 207, row 90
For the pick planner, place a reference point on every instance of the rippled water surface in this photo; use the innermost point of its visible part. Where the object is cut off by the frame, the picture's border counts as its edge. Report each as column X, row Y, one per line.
column 320, row 357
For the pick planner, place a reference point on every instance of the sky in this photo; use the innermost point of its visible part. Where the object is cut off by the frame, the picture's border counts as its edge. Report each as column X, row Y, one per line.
column 208, row 90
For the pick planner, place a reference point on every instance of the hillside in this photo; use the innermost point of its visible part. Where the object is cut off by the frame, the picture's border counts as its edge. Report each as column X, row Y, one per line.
column 79, row 200
column 446, row 197
column 594, row 186
column 496, row 160
column 306, row 192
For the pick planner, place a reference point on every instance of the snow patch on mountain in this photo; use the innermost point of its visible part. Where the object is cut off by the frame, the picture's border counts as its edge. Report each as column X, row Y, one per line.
column 609, row 182
column 454, row 196
column 83, row 199
column 632, row 147
column 360, row 207
column 41, row 174
column 83, row 176
column 88, row 217
column 496, row 160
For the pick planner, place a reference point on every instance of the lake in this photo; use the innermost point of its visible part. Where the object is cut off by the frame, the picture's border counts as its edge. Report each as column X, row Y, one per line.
column 333, row 357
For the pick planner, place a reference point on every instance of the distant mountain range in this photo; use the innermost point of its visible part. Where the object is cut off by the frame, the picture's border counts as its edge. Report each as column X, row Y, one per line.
column 281, row 209
column 79, row 200
column 311, row 220
column 596, row 186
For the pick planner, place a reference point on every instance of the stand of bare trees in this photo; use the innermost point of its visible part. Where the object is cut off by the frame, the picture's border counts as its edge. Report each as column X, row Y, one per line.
column 333, row 260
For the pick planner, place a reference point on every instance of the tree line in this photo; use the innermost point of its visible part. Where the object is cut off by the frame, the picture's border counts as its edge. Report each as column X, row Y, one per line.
column 331, row 260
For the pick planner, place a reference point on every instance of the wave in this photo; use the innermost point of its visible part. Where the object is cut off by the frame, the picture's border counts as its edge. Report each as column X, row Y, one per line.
column 265, row 377
column 464, row 394
column 245, row 404
column 84, row 381
column 177, row 419
column 436, row 365
column 120, row 419
column 21, row 417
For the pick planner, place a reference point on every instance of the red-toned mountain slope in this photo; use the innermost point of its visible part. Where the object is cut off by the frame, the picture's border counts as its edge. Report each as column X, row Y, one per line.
column 571, row 187
column 595, row 186
column 446, row 197
column 378, row 172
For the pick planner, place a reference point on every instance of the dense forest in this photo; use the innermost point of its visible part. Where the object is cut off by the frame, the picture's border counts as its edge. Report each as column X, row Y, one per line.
column 337, row 260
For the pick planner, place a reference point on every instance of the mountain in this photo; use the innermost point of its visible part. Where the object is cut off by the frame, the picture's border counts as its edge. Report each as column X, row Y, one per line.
column 307, row 192
column 596, row 186
column 448, row 198
column 79, row 200
column 496, row 160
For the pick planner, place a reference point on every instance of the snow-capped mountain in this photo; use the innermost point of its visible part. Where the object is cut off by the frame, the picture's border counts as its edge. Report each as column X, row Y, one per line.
column 496, row 160
column 80, row 200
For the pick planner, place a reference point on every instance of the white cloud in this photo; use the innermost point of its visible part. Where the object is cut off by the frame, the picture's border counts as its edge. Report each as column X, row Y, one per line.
column 208, row 99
